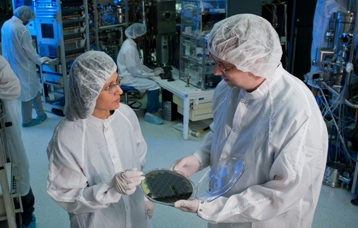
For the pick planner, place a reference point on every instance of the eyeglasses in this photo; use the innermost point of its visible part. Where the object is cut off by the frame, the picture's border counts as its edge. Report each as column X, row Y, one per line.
column 112, row 88
column 222, row 68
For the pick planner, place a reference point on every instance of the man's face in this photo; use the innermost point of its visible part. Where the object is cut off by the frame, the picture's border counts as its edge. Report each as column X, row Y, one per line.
column 24, row 22
column 139, row 39
column 234, row 77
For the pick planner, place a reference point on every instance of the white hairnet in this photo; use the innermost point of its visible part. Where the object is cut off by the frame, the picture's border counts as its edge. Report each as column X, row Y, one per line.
column 135, row 30
column 247, row 41
column 25, row 13
column 88, row 74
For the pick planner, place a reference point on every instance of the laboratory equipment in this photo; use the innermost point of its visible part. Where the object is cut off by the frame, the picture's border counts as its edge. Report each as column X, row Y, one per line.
column 108, row 21
column 62, row 34
column 336, row 84
column 165, row 27
column 197, row 20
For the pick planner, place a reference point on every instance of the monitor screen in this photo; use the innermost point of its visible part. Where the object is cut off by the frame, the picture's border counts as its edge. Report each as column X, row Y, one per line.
column 47, row 31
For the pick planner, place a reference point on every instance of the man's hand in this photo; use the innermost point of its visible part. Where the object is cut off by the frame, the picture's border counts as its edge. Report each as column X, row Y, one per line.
column 45, row 59
column 186, row 166
column 187, row 205
column 158, row 71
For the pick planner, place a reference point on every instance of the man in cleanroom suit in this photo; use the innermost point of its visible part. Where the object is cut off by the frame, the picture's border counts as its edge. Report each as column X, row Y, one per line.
column 136, row 74
column 269, row 118
column 97, row 151
column 17, row 49
column 9, row 91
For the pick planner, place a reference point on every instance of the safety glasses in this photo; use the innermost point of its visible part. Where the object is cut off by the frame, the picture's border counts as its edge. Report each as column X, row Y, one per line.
column 112, row 88
column 223, row 68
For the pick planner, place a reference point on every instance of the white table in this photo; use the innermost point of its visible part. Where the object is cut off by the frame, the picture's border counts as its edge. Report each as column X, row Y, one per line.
column 179, row 88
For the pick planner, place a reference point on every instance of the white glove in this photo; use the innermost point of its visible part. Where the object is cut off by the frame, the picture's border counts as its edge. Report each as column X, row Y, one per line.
column 186, row 166
column 349, row 67
column 158, row 71
column 45, row 59
column 126, row 182
column 149, row 208
column 187, row 205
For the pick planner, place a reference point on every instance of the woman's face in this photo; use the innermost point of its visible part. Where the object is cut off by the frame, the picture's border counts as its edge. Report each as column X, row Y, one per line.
column 108, row 98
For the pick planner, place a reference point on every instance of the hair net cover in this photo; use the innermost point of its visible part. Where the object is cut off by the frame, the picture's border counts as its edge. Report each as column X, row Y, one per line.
column 247, row 41
column 135, row 30
column 25, row 13
column 88, row 74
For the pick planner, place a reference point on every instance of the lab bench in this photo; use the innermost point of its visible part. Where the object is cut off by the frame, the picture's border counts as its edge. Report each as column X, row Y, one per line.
column 193, row 103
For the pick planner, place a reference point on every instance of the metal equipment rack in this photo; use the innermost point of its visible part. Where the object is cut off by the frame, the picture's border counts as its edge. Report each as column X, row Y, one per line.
column 333, row 83
column 62, row 34
column 108, row 23
column 197, row 20
column 7, row 182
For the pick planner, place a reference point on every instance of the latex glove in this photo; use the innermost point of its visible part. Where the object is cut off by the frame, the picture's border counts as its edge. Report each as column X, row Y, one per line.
column 126, row 182
column 187, row 205
column 149, row 208
column 158, row 71
column 186, row 166
column 349, row 67
column 45, row 59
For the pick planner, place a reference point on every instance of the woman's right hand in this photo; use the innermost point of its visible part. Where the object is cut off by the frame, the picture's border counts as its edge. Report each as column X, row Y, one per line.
column 126, row 182
column 186, row 166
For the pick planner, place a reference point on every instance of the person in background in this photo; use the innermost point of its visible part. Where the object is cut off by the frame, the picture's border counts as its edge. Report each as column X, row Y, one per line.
column 9, row 91
column 137, row 75
column 97, row 151
column 269, row 118
column 18, row 50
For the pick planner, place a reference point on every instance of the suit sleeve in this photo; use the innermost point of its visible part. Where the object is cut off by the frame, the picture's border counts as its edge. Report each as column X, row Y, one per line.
column 9, row 84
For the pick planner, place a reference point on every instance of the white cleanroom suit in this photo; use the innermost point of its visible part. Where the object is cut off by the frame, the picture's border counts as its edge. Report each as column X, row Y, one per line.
column 133, row 71
column 90, row 155
column 269, row 118
column 283, row 139
column 84, row 155
column 136, row 75
column 9, row 91
column 18, row 50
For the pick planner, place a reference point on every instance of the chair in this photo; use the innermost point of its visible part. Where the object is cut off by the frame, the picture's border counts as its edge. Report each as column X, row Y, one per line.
column 129, row 90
